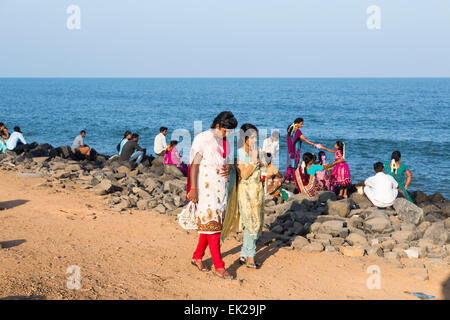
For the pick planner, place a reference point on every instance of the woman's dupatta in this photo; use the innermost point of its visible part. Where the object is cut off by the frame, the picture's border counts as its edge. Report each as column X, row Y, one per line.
column 232, row 217
column 291, row 143
column 309, row 187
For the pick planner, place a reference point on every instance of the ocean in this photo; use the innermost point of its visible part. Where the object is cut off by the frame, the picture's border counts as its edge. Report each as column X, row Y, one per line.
column 373, row 116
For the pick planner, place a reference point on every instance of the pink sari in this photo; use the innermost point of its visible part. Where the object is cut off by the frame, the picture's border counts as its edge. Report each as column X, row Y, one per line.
column 172, row 157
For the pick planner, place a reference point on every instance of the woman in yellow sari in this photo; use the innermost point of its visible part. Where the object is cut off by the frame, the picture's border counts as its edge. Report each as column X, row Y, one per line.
column 245, row 204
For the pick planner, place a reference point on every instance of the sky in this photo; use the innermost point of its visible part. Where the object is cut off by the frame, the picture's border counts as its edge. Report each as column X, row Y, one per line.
column 228, row 38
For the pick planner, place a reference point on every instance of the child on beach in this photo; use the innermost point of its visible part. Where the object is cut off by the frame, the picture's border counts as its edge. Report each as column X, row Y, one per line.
column 323, row 176
column 340, row 176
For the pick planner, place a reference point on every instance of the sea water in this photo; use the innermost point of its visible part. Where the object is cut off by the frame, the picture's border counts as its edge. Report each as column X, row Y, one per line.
column 372, row 116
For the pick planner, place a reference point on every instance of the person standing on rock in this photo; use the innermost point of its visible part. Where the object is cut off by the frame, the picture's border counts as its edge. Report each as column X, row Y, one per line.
column 400, row 172
column 294, row 143
column 79, row 146
column 381, row 189
column 207, row 187
column 245, row 205
column 160, row 144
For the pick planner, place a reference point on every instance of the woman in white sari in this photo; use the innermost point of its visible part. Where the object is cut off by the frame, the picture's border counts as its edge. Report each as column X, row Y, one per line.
column 208, row 188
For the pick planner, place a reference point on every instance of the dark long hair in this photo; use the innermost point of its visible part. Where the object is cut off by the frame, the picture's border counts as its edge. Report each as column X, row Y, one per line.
column 172, row 144
column 290, row 127
column 320, row 154
column 226, row 120
column 396, row 155
column 307, row 158
column 247, row 129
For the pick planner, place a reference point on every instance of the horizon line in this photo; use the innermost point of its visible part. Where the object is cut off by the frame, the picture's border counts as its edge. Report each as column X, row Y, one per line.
column 224, row 77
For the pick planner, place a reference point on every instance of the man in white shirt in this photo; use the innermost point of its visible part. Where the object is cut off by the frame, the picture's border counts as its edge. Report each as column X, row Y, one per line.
column 16, row 141
column 271, row 145
column 381, row 189
column 160, row 145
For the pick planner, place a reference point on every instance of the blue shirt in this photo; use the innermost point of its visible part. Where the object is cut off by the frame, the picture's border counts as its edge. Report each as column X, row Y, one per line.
column 122, row 143
column 314, row 168
column 243, row 156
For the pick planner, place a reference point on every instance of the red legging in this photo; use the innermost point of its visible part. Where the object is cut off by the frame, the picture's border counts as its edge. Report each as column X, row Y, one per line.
column 213, row 240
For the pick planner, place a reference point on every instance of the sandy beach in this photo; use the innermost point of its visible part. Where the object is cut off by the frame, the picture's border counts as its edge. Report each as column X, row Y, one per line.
column 145, row 255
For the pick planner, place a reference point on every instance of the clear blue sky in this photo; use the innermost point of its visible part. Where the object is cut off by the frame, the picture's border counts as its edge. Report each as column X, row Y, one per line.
column 227, row 38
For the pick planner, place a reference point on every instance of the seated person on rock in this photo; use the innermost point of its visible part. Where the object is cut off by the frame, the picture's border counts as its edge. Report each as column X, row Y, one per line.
column 5, row 135
column 173, row 157
column 131, row 151
column 79, row 146
column 381, row 189
column 16, row 142
column 273, row 177
column 160, row 145
column 126, row 137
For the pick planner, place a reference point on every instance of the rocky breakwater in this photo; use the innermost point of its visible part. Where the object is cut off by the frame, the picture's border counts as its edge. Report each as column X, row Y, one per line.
column 150, row 186
column 352, row 227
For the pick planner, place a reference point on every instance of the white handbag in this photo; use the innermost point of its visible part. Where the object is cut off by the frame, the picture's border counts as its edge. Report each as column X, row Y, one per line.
column 188, row 217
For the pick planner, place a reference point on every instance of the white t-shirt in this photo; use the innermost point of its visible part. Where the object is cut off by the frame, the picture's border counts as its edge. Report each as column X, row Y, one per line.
column 13, row 139
column 272, row 147
column 381, row 189
column 160, row 143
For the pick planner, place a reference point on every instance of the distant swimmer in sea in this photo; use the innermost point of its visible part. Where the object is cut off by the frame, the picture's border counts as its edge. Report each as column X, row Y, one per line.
column 381, row 189
column 5, row 135
column 400, row 172
column 173, row 157
column 294, row 143
column 340, row 176
column 131, row 150
column 160, row 144
column 79, row 146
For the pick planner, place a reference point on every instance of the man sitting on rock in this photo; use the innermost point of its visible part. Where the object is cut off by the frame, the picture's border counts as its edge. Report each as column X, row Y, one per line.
column 79, row 146
column 132, row 151
column 381, row 189
column 16, row 142
column 160, row 144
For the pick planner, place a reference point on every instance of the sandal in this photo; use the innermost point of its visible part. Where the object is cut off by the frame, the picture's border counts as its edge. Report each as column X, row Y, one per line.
column 199, row 264
column 242, row 260
column 254, row 265
column 222, row 273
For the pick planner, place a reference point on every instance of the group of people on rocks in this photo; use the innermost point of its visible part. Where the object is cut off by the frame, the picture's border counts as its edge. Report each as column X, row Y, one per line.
column 229, row 193
column 13, row 142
